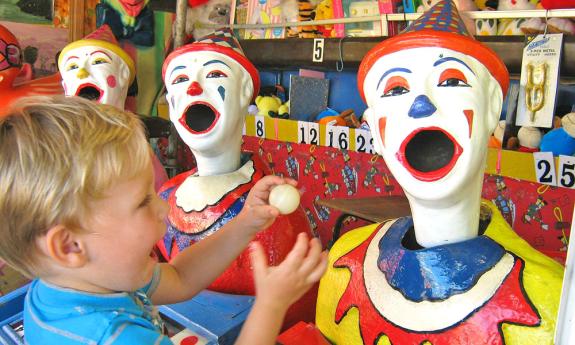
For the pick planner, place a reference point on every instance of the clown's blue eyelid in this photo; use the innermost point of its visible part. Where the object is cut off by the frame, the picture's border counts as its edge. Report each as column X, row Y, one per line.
column 175, row 69
column 216, row 61
column 446, row 59
column 398, row 69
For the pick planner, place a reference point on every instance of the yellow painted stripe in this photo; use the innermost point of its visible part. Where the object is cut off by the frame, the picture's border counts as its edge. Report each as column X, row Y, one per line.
column 513, row 164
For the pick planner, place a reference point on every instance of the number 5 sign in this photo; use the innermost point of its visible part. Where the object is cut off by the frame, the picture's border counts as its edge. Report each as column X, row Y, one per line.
column 567, row 171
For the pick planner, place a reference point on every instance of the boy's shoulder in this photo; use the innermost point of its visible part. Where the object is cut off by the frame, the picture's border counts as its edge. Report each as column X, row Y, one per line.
column 55, row 315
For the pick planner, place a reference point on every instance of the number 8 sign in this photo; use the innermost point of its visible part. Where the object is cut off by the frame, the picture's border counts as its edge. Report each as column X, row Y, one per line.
column 260, row 125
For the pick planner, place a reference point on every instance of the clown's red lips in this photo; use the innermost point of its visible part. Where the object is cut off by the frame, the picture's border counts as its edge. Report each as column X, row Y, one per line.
column 89, row 91
column 199, row 117
column 429, row 153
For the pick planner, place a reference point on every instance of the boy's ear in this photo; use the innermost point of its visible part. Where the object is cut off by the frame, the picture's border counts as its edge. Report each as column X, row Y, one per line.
column 64, row 246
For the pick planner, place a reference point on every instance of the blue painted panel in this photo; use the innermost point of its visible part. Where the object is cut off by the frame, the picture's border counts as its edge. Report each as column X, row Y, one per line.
column 343, row 91
column 215, row 316
column 11, row 307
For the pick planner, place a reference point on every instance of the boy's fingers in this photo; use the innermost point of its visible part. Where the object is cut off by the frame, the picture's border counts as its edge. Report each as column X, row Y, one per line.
column 262, row 210
column 258, row 259
column 313, row 256
column 265, row 211
column 319, row 269
column 271, row 180
column 299, row 249
column 291, row 181
column 262, row 188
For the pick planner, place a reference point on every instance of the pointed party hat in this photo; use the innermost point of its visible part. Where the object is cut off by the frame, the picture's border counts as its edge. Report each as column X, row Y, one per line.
column 102, row 37
column 221, row 41
column 442, row 27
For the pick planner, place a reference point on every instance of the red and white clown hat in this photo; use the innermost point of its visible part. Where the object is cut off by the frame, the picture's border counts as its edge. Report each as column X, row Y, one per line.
column 441, row 26
column 220, row 41
column 102, row 37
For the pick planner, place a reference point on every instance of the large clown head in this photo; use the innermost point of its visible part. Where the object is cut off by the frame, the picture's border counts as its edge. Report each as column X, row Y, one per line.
column 434, row 97
column 10, row 58
column 210, row 84
column 97, row 68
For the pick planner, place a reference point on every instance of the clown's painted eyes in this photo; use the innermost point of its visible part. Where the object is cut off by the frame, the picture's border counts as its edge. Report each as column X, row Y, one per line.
column 100, row 61
column 180, row 79
column 395, row 86
column 71, row 67
column 216, row 74
column 452, row 78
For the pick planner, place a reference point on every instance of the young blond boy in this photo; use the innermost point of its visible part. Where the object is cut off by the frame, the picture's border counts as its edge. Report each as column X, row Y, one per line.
column 79, row 213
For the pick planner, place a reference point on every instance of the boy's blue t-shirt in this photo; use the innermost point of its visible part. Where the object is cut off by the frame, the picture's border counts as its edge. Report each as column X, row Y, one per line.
column 60, row 316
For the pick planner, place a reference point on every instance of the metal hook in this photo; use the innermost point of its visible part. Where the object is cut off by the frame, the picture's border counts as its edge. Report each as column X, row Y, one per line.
column 546, row 18
column 339, row 64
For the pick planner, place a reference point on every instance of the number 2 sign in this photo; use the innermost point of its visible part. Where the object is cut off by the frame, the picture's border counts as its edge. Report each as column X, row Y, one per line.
column 545, row 168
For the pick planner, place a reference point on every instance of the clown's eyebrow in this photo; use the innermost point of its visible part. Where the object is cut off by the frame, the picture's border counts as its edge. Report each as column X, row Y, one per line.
column 71, row 57
column 446, row 59
column 175, row 69
column 101, row 51
column 215, row 61
column 398, row 69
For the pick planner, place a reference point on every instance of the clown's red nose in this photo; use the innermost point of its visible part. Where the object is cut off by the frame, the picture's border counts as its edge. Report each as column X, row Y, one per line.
column 195, row 89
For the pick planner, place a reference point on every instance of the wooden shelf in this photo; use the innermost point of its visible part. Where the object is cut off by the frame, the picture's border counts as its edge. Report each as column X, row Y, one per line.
column 293, row 53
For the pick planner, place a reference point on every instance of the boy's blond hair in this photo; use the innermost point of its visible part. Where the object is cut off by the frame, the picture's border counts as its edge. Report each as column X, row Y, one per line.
column 56, row 155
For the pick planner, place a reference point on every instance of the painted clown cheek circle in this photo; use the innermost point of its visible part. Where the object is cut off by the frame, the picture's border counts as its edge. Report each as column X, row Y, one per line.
column 111, row 81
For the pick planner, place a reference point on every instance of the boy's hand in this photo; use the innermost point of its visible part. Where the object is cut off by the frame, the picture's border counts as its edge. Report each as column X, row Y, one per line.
column 280, row 286
column 257, row 214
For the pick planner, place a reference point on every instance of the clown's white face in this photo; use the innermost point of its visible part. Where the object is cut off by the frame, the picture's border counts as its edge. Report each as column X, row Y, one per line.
column 431, row 117
column 208, row 94
column 97, row 74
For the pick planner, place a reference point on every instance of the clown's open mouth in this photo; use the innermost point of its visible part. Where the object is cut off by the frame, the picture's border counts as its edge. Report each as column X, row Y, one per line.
column 89, row 91
column 199, row 117
column 429, row 153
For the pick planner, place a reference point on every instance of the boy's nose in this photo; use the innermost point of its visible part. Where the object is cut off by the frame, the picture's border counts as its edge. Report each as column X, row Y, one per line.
column 421, row 107
column 195, row 89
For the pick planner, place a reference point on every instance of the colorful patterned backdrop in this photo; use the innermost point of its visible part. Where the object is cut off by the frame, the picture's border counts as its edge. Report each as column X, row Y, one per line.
column 539, row 213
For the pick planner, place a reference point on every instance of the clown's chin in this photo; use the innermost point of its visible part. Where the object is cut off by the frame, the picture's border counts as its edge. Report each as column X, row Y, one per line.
column 429, row 154
column 89, row 92
column 199, row 118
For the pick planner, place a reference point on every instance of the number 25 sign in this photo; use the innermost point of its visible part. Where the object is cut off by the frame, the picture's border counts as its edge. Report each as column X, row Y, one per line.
column 545, row 170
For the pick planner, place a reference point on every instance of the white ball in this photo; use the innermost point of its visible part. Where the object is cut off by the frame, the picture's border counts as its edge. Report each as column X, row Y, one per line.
column 285, row 198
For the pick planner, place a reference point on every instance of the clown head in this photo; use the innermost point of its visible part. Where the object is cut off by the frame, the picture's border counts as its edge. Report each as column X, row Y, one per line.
column 10, row 58
column 97, row 68
column 434, row 97
column 131, row 7
column 210, row 84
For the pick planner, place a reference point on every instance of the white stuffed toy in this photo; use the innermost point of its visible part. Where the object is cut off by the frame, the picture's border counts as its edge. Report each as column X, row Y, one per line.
column 200, row 13
column 509, row 27
column 530, row 26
